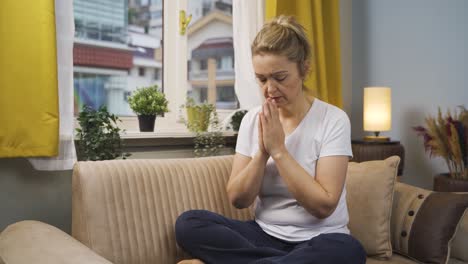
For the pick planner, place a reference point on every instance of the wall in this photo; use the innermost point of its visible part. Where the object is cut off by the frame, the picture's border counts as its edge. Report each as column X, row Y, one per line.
column 27, row 194
column 419, row 49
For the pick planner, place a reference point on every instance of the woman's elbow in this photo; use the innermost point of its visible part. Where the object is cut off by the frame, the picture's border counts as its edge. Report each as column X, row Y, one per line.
column 322, row 214
column 323, row 211
column 235, row 199
column 238, row 203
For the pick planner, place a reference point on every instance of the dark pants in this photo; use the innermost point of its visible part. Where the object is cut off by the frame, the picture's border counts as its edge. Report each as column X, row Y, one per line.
column 216, row 239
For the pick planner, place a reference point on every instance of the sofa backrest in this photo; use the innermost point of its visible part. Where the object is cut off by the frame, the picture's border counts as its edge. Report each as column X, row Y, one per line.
column 125, row 210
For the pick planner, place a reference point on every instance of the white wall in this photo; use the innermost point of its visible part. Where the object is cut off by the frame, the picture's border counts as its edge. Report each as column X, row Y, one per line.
column 420, row 49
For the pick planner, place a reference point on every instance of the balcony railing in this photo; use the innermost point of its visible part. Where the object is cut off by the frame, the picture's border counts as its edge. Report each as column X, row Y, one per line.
column 220, row 74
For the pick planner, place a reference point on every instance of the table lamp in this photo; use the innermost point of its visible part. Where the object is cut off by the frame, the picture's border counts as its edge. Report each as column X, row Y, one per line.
column 377, row 112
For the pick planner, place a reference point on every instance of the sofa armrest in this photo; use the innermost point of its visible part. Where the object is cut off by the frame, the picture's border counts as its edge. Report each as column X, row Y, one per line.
column 40, row 243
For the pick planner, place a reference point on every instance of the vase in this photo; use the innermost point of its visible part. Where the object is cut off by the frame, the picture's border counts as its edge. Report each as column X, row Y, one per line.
column 198, row 119
column 443, row 183
column 146, row 122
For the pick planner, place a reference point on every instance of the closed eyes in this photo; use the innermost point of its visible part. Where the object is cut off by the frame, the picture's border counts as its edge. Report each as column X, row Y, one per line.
column 278, row 78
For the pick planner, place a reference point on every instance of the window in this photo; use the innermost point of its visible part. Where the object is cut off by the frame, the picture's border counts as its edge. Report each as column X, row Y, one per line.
column 203, row 65
column 119, row 48
column 226, row 98
column 206, row 7
column 157, row 74
column 209, row 49
column 156, row 14
column 112, row 52
column 95, row 87
column 126, row 95
column 141, row 71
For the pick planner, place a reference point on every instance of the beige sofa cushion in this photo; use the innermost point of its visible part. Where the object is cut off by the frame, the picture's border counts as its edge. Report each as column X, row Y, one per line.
column 369, row 187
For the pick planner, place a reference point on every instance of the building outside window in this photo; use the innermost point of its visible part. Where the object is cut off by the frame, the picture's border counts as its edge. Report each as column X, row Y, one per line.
column 107, row 52
column 118, row 48
column 210, row 46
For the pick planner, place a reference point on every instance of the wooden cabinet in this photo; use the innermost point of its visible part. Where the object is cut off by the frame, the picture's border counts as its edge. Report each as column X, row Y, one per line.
column 370, row 150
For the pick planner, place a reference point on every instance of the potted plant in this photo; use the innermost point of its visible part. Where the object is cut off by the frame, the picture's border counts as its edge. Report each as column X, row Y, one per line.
column 203, row 120
column 236, row 119
column 209, row 143
column 447, row 137
column 98, row 137
column 198, row 115
column 147, row 103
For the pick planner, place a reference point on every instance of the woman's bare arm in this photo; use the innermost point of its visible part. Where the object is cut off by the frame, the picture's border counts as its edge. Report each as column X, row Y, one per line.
column 246, row 179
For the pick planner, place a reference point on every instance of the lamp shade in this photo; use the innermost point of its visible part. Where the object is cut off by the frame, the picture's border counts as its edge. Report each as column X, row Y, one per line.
column 377, row 109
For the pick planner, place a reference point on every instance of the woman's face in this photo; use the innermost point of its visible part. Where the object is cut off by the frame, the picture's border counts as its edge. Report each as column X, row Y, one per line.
column 278, row 78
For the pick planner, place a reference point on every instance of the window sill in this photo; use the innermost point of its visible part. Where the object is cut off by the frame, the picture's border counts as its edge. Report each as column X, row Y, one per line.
column 135, row 140
column 169, row 134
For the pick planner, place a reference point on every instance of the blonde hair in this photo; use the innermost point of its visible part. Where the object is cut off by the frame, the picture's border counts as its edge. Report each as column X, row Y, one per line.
column 286, row 37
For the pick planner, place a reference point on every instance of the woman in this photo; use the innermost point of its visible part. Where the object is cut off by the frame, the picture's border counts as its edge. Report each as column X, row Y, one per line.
column 291, row 160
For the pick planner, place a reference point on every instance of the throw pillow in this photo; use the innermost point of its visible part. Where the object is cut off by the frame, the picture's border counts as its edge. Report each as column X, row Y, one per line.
column 460, row 239
column 369, row 187
column 430, row 221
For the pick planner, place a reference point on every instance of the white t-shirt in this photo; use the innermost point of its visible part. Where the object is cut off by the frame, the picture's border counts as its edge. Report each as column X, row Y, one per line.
column 324, row 131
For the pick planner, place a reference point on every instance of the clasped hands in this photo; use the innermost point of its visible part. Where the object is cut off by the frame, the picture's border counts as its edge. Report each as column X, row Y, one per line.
column 270, row 131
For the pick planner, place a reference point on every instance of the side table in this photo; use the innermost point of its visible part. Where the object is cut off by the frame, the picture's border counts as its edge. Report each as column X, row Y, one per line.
column 371, row 150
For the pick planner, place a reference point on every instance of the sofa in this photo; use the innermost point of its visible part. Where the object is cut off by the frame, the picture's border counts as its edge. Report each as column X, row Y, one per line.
column 123, row 211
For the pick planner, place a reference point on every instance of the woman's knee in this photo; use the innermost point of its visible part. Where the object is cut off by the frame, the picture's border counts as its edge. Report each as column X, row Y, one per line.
column 355, row 251
column 186, row 226
column 349, row 248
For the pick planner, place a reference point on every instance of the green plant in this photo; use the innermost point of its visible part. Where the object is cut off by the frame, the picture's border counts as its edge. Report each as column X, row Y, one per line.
column 209, row 143
column 447, row 137
column 98, row 135
column 237, row 118
column 148, row 101
column 199, row 116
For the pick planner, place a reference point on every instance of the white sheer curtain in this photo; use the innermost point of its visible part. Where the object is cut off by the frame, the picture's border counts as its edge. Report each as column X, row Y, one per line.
column 247, row 18
column 65, row 28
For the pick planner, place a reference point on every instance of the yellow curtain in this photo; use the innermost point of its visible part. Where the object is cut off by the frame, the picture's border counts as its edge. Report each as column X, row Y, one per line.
column 321, row 20
column 29, row 121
